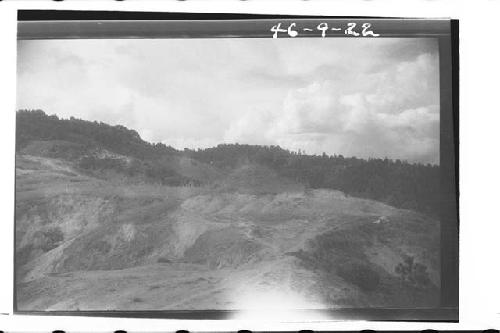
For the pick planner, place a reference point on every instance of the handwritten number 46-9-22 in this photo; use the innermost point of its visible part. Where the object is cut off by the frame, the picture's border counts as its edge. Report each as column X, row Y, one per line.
column 351, row 30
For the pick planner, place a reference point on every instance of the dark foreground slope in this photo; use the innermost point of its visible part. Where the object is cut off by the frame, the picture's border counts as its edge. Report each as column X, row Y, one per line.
column 227, row 237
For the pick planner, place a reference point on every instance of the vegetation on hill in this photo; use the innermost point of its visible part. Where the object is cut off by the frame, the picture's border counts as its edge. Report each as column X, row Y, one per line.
column 398, row 183
column 83, row 142
column 36, row 125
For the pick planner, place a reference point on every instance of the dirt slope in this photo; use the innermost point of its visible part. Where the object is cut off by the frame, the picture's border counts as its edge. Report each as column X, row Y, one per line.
column 89, row 244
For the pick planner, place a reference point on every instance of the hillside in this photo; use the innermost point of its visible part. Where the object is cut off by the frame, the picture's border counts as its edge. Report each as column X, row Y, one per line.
column 397, row 183
column 101, row 226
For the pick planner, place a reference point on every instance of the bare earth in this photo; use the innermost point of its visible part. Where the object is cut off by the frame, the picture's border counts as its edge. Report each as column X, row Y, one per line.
column 85, row 243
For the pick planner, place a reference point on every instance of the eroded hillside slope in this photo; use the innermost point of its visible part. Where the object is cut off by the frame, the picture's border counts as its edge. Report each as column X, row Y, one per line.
column 94, row 243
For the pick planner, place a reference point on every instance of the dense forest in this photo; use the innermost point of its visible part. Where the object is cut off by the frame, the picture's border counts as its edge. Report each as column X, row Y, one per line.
column 398, row 183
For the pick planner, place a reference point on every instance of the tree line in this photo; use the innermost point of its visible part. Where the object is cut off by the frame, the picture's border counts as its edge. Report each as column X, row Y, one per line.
column 398, row 183
column 395, row 182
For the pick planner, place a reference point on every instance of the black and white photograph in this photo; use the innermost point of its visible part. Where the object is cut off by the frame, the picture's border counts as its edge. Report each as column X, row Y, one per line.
column 232, row 174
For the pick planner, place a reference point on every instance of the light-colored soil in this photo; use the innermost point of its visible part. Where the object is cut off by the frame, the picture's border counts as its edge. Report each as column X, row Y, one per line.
column 148, row 247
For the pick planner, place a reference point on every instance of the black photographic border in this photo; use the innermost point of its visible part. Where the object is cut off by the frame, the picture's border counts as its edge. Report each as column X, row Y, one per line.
column 69, row 24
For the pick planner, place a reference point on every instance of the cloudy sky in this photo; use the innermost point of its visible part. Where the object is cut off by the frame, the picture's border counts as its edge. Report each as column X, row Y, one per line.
column 355, row 97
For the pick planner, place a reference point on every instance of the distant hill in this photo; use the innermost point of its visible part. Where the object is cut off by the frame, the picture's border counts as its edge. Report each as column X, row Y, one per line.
column 36, row 125
column 99, row 148
column 398, row 183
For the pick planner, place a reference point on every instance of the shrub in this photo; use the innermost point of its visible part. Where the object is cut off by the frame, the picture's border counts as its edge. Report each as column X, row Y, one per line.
column 48, row 239
column 101, row 246
column 54, row 235
column 164, row 260
column 412, row 273
column 94, row 163
column 359, row 274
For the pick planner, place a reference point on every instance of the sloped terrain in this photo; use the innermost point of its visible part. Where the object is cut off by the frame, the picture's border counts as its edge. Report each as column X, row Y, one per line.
column 86, row 242
column 108, row 221
column 257, row 179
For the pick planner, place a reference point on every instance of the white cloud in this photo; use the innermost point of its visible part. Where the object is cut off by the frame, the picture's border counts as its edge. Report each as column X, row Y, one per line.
column 362, row 97
column 374, row 118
